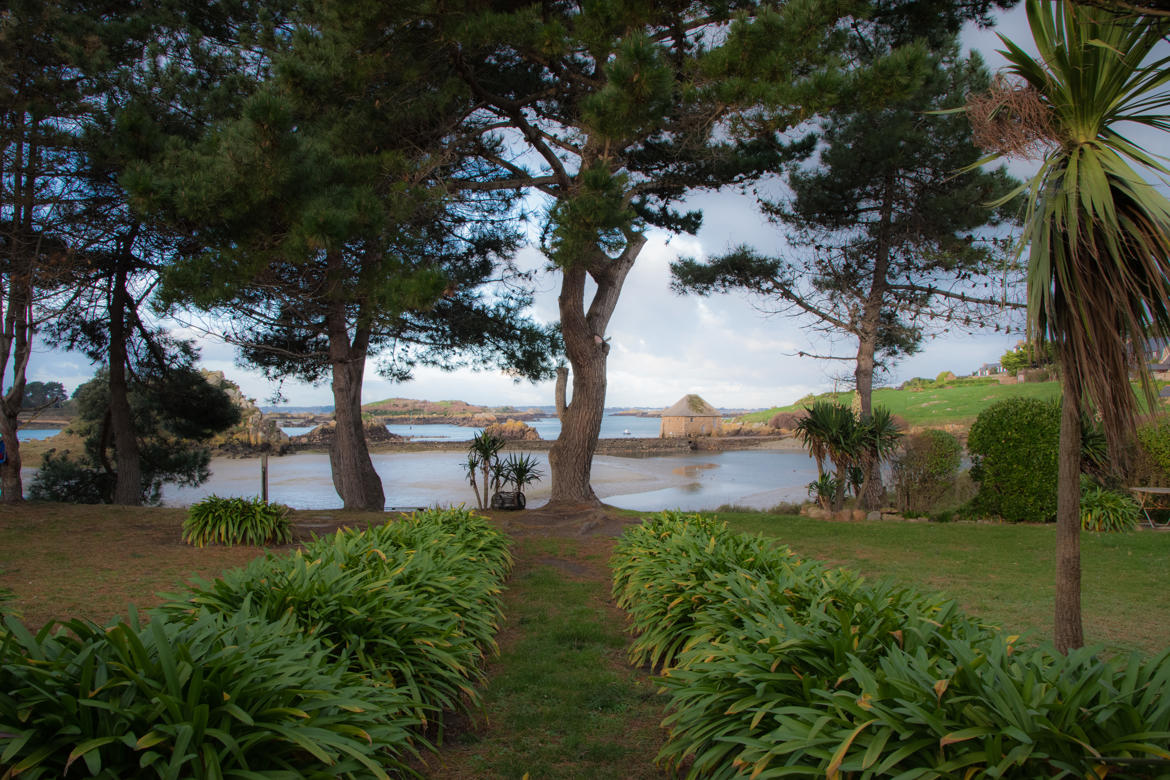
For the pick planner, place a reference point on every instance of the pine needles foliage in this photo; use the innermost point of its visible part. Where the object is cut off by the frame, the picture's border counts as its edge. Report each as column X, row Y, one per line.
column 776, row 666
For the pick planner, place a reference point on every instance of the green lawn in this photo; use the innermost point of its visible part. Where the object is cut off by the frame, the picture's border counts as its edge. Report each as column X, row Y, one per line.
column 960, row 403
column 1003, row 573
column 561, row 700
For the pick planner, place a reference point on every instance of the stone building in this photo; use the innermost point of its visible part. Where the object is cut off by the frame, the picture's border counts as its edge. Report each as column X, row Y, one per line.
column 691, row 416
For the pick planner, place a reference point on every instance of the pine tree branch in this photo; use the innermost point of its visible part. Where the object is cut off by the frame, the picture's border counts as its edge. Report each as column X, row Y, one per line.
column 962, row 297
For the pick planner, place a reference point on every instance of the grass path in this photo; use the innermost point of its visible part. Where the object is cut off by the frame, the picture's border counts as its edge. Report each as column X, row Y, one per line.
column 561, row 701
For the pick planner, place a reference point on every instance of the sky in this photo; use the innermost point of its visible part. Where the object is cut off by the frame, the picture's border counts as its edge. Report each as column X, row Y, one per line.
column 663, row 346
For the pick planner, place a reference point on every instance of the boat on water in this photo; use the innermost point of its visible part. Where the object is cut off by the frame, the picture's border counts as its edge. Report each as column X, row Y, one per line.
column 626, row 432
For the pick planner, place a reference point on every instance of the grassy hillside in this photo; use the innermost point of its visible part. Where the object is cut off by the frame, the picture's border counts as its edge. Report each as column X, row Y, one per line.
column 957, row 403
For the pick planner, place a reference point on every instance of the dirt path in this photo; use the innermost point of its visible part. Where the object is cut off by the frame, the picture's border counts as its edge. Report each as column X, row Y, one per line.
column 561, row 701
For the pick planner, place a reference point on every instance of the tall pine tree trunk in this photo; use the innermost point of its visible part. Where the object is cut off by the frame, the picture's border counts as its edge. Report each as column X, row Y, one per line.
column 872, row 491
column 354, row 476
column 571, row 456
column 11, row 488
column 16, row 328
column 128, row 482
column 1068, row 633
column 871, row 486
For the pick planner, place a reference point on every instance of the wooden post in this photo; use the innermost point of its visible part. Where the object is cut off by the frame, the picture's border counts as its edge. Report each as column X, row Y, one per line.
column 264, row 477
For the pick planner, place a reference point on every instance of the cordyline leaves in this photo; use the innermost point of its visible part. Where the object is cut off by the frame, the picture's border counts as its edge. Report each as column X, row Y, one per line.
column 1098, row 233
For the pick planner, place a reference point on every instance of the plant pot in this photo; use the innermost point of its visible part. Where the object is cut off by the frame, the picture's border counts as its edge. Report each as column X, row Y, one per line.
column 508, row 499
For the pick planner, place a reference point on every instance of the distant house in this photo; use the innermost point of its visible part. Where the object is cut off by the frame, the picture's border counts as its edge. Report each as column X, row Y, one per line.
column 989, row 369
column 1157, row 355
column 691, row 416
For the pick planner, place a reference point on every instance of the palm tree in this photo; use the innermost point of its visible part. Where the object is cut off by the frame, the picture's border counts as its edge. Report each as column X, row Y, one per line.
column 1098, row 233
column 843, row 442
column 813, row 431
column 879, row 438
column 484, row 452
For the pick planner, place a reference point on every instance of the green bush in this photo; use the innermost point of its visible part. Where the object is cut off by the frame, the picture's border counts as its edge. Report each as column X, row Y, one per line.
column 321, row 664
column 60, row 478
column 213, row 696
column 1014, row 446
column 781, row 667
column 925, row 469
column 229, row 521
column 1154, row 449
column 1108, row 510
column 413, row 603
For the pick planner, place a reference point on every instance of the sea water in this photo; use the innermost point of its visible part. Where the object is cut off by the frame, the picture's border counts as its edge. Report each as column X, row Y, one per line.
column 612, row 427
column 688, row 481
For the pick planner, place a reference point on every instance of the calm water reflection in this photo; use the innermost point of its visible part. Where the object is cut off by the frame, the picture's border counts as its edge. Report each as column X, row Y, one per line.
column 612, row 427
column 693, row 481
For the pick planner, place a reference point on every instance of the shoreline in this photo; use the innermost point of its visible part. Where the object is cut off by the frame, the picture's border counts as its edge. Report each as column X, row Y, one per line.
column 624, row 445
column 34, row 448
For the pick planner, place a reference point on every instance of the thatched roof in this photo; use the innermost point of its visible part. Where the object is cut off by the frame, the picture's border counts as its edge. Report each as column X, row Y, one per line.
column 691, row 406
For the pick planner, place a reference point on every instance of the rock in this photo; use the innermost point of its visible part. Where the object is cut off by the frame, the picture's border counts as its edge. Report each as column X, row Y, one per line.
column 512, row 430
column 874, row 516
column 254, row 432
column 815, row 512
column 323, row 434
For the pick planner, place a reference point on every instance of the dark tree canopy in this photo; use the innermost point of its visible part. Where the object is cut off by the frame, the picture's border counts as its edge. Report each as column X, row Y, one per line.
column 329, row 229
column 175, row 414
column 41, row 395
column 615, row 112
column 888, row 240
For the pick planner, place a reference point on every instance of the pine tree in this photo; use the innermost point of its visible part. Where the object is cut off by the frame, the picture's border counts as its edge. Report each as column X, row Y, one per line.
column 612, row 113
column 329, row 232
column 56, row 60
column 888, row 240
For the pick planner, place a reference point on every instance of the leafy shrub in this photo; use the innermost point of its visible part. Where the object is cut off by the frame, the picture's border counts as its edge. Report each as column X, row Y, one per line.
column 779, row 667
column 318, row 665
column 1014, row 445
column 60, row 478
column 925, row 469
column 1154, row 449
column 1107, row 510
column 213, row 696
column 917, row 383
column 785, row 421
column 1037, row 375
column 823, row 489
column 413, row 603
column 229, row 521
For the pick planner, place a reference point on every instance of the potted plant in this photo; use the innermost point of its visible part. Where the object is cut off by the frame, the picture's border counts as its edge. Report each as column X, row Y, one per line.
column 483, row 456
column 517, row 471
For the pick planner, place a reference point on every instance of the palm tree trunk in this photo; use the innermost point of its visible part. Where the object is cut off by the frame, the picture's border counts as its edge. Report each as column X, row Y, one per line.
column 1068, row 631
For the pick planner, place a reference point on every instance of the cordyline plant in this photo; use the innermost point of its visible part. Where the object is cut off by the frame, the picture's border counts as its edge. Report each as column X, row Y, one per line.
column 1096, row 232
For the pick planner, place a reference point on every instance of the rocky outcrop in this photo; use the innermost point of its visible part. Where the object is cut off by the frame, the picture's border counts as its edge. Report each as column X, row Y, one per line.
column 512, row 430
column 408, row 411
column 255, row 432
column 322, row 435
